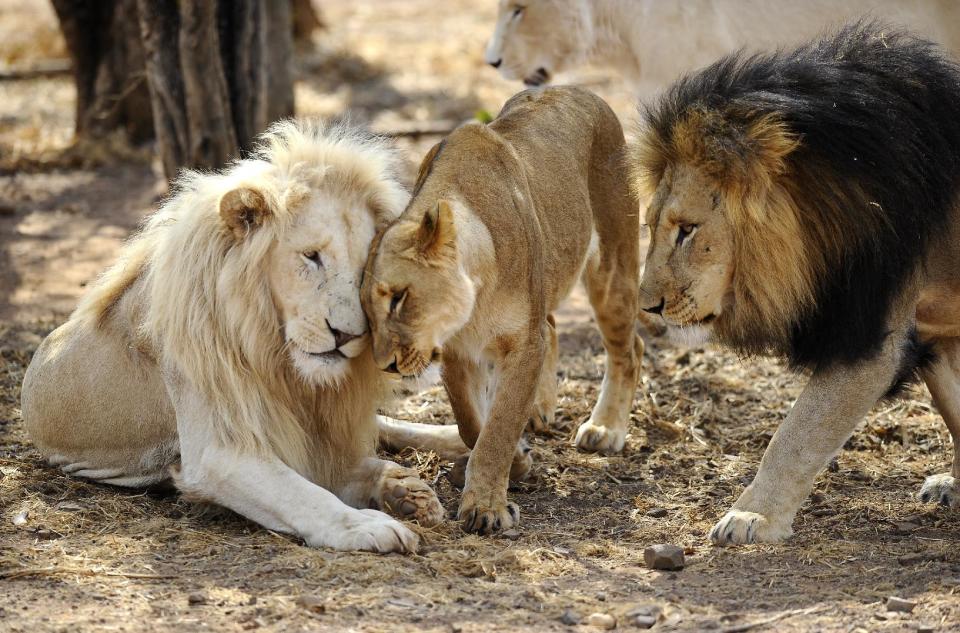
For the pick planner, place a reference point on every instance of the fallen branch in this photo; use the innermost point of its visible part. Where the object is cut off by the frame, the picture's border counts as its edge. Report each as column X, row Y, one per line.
column 53, row 571
column 740, row 628
column 56, row 68
column 419, row 128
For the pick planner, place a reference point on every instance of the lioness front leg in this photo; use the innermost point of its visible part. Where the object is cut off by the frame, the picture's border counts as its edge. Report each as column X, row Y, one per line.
column 943, row 379
column 483, row 506
column 267, row 491
column 823, row 418
column 383, row 485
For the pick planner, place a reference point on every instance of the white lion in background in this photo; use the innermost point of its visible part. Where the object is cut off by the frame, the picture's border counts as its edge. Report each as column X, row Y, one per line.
column 230, row 340
column 652, row 42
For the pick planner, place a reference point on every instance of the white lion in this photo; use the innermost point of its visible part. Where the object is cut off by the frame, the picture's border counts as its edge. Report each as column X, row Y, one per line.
column 651, row 42
column 230, row 339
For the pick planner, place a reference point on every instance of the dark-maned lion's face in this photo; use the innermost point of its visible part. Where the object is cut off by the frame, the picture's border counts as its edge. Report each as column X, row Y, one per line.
column 690, row 262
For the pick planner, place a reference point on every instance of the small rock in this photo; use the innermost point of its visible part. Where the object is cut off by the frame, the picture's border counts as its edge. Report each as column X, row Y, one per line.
column 664, row 556
column 602, row 620
column 312, row 603
column 601, row 596
column 21, row 517
column 570, row 618
column 900, row 604
column 905, row 527
column 926, row 628
column 195, row 599
column 456, row 628
column 657, row 513
column 644, row 621
column 511, row 534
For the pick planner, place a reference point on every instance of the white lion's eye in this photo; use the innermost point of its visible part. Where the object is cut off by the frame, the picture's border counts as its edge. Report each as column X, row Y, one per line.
column 313, row 258
column 517, row 12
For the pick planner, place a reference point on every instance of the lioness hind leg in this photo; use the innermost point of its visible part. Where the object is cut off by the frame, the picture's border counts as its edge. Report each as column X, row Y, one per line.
column 545, row 405
column 611, row 282
column 943, row 380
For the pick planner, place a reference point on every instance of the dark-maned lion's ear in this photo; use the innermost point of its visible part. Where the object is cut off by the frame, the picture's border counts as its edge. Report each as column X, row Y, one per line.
column 436, row 230
column 243, row 210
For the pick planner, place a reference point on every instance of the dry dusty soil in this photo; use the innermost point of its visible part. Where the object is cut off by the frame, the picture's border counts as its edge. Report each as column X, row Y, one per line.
column 79, row 556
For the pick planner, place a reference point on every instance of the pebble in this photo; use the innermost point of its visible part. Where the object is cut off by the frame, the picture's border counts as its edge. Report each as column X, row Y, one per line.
column 511, row 534
column 21, row 517
column 196, row 599
column 570, row 618
column 602, row 620
column 900, row 604
column 313, row 603
column 657, row 513
column 644, row 621
column 664, row 556
column 926, row 628
column 644, row 617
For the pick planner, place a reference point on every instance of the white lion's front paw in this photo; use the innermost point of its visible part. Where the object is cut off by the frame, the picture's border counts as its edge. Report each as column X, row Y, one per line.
column 943, row 489
column 594, row 438
column 370, row 531
column 738, row 527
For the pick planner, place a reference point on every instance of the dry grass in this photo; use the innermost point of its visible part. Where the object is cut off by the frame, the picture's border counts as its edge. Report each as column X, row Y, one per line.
column 89, row 557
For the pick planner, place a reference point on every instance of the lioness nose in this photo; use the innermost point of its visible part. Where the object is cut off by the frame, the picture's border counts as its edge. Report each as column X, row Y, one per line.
column 657, row 309
column 341, row 338
column 497, row 63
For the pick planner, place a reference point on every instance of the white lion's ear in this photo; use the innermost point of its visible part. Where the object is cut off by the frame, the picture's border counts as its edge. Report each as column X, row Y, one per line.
column 243, row 210
column 437, row 230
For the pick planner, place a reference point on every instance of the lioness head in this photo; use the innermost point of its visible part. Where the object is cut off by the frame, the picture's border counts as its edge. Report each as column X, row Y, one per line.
column 535, row 39
column 689, row 267
column 415, row 291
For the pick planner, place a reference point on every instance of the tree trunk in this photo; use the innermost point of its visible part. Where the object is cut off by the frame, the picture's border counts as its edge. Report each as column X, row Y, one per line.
column 218, row 72
column 104, row 44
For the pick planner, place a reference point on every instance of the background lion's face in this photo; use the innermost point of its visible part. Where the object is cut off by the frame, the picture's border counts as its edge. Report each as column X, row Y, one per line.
column 535, row 39
column 689, row 269
column 315, row 280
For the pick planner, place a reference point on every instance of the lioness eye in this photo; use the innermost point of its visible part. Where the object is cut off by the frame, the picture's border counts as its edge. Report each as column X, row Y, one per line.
column 685, row 231
column 314, row 258
column 396, row 300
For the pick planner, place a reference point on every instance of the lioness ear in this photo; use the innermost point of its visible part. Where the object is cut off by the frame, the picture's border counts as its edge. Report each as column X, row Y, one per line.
column 243, row 210
column 436, row 230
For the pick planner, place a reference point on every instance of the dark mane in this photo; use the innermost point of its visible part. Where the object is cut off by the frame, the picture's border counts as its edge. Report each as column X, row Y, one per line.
column 873, row 176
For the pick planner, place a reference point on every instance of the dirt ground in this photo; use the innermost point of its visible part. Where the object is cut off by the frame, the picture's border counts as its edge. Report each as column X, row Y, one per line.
column 79, row 556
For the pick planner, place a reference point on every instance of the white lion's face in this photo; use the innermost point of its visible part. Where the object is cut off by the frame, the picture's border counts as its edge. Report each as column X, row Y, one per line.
column 315, row 279
column 535, row 39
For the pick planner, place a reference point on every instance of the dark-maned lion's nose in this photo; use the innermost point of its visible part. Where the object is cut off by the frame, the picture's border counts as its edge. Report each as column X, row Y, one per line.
column 657, row 309
column 341, row 338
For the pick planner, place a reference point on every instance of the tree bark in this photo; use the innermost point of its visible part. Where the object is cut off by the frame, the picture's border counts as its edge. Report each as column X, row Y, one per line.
column 107, row 57
column 218, row 72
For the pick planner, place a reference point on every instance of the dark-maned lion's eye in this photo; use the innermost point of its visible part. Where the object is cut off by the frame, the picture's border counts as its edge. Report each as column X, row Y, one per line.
column 396, row 300
column 684, row 231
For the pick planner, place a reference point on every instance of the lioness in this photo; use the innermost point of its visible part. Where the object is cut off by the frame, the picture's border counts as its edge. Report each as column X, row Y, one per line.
column 229, row 343
column 504, row 218
column 805, row 203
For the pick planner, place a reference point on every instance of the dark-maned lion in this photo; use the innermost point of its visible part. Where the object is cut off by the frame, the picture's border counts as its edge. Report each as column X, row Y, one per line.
column 805, row 204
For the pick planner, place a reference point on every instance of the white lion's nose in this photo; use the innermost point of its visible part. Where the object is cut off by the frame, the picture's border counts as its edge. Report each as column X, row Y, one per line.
column 496, row 63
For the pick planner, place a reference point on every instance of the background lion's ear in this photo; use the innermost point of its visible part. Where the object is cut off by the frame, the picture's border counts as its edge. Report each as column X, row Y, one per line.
column 243, row 210
column 436, row 230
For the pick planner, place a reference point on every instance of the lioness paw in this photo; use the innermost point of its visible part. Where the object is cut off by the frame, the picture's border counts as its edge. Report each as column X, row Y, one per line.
column 943, row 489
column 594, row 438
column 369, row 531
column 522, row 461
column 407, row 496
column 739, row 528
column 487, row 515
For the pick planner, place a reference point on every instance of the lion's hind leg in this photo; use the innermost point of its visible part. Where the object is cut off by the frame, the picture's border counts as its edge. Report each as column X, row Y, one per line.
column 545, row 404
column 943, row 380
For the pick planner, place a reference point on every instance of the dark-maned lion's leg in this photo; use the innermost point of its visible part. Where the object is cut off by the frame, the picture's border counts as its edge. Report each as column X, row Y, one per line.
column 943, row 380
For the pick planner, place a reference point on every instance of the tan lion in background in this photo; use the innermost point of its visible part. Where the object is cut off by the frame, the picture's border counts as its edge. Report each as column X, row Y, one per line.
column 652, row 42
column 230, row 340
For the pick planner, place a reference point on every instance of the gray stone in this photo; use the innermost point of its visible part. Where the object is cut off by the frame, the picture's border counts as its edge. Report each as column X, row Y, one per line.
column 900, row 604
column 657, row 513
column 570, row 618
column 602, row 620
column 664, row 556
